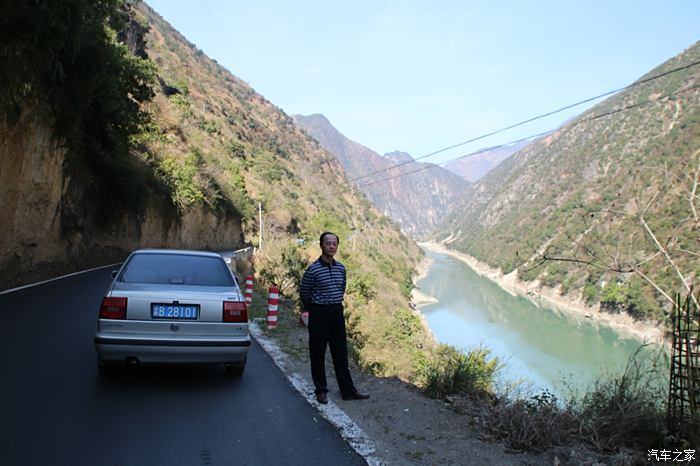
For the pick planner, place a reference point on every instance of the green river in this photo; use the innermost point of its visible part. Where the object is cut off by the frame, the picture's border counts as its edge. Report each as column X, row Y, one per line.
column 552, row 349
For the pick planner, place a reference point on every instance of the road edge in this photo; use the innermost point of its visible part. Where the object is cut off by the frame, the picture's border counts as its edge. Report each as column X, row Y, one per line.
column 349, row 431
column 12, row 290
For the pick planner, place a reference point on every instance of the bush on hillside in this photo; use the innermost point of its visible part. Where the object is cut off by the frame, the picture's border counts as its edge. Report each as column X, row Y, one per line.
column 181, row 176
column 449, row 371
column 629, row 297
column 363, row 287
column 534, row 423
column 281, row 263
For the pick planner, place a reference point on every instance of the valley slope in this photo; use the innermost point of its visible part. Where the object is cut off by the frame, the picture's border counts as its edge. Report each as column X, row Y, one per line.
column 211, row 154
column 415, row 195
column 604, row 210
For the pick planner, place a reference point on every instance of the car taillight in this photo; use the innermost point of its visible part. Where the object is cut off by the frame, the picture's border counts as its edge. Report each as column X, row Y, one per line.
column 235, row 311
column 113, row 308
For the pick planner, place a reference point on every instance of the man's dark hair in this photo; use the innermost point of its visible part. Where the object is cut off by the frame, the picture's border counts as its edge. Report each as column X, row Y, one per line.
column 326, row 233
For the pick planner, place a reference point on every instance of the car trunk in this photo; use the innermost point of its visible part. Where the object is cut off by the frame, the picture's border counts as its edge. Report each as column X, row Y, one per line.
column 208, row 300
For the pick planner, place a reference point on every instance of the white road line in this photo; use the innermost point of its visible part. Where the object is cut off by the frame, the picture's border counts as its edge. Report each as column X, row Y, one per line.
column 56, row 278
column 351, row 432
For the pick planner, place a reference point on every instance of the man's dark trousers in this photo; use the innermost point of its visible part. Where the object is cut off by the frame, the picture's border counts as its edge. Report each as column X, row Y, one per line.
column 327, row 327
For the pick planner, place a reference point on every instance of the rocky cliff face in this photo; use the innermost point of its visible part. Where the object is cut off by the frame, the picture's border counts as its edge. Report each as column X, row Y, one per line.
column 51, row 226
column 415, row 195
column 31, row 188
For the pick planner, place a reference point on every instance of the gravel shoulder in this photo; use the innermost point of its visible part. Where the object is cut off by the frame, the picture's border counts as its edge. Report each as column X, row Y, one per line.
column 403, row 426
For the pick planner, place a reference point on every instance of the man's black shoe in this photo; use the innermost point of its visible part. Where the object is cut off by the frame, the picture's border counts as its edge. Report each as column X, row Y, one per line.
column 356, row 396
column 322, row 398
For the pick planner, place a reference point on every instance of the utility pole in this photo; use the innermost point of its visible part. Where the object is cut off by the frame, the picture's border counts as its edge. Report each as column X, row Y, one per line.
column 260, row 229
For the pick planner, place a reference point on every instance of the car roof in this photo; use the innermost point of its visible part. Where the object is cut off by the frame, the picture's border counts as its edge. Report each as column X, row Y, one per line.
column 184, row 252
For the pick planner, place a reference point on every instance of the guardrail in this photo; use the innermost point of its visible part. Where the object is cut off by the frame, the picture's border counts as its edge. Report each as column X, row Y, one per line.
column 240, row 261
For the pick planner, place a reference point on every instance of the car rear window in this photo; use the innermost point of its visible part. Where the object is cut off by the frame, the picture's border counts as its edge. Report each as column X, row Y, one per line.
column 176, row 269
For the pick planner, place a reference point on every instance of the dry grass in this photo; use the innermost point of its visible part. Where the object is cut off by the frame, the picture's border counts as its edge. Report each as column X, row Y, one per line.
column 618, row 417
column 537, row 423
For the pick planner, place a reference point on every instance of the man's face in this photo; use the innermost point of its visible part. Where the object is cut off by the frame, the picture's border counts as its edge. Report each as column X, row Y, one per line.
column 329, row 246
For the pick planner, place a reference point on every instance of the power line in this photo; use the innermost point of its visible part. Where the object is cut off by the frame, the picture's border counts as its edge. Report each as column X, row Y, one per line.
column 530, row 120
column 470, row 154
column 576, row 123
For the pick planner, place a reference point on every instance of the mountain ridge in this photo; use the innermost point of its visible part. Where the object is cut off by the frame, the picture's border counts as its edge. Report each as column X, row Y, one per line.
column 417, row 202
column 577, row 195
column 474, row 167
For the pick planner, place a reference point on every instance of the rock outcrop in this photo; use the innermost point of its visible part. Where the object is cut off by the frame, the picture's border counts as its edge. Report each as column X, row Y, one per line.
column 51, row 226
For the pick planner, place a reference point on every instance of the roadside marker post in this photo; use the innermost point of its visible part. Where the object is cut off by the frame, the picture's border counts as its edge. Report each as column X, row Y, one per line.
column 272, row 303
column 248, row 294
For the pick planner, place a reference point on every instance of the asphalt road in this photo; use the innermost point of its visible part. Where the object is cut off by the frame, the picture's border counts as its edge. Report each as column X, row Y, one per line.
column 56, row 410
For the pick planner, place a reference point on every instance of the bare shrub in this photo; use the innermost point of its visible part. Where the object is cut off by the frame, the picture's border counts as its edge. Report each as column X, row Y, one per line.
column 536, row 423
column 281, row 263
column 616, row 413
column 625, row 410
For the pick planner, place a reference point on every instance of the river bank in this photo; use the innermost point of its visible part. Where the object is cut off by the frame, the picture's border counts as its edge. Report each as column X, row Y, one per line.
column 624, row 325
column 418, row 298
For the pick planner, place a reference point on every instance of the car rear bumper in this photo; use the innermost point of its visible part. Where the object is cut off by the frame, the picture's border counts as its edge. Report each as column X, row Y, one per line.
column 181, row 350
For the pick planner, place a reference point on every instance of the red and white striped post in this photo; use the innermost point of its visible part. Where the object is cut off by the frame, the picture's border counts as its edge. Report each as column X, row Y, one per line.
column 272, row 303
column 248, row 295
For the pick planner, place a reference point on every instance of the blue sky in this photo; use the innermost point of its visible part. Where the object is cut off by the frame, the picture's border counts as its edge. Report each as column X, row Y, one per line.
column 418, row 76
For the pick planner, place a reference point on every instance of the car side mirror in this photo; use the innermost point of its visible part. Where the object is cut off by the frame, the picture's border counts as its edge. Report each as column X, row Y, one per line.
column 114, row 273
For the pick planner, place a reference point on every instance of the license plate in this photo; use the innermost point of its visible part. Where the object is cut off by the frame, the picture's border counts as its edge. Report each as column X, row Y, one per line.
column 175, row 311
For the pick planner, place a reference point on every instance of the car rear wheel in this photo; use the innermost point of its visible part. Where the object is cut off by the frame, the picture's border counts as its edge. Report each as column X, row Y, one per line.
column 235, row 368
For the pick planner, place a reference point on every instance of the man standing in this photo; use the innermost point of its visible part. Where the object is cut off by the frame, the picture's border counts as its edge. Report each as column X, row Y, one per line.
column 322, row 290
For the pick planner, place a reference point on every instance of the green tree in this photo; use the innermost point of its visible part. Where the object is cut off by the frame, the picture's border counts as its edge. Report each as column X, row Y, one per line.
column 362, row 286
column 613, row 297
column 181, row 177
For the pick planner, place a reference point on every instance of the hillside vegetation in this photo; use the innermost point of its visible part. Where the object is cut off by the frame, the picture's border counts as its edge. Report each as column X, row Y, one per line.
column 216, row 141
column 116, row 133
column 155, row 144
column 605, row 209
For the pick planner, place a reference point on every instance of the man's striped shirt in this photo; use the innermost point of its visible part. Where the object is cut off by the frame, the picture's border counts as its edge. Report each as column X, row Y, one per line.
column 323, row 283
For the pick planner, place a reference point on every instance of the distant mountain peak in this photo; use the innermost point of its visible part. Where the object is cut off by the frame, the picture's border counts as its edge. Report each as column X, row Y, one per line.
column 399, row 157
column 314, row 116
column 472, row 168
column 418, row 202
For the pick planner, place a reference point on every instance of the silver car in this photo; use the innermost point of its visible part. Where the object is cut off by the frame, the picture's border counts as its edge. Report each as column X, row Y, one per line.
column 172, row 306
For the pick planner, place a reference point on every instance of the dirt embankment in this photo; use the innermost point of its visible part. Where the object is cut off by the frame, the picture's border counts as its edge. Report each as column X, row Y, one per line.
column 404, row 427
